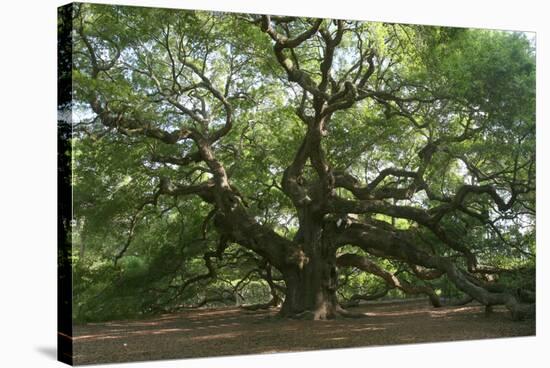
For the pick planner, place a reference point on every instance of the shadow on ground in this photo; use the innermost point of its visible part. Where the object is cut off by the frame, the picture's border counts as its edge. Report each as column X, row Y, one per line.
column 48, row 351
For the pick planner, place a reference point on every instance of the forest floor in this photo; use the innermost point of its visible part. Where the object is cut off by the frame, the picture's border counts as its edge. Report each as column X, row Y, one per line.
column 232, row 331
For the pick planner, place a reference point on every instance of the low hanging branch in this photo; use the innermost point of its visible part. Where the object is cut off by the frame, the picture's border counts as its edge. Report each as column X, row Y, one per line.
column 363, row 263
column 398, row 244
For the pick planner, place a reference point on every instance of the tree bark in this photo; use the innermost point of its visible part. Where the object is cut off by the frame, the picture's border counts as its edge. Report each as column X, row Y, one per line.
column 311, row 282
column 311, row 291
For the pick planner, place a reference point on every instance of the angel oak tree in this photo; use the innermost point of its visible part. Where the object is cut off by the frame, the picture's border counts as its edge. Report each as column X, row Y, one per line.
column 319, row 144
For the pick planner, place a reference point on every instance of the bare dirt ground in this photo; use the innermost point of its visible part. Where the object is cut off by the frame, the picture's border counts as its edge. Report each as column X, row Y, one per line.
column 232, row 331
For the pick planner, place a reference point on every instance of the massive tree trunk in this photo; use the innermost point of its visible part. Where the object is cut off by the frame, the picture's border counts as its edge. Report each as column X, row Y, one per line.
column 311, row 290
column 311, row 279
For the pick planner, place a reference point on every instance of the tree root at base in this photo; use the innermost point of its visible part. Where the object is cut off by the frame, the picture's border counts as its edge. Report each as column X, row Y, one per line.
column 339, row 313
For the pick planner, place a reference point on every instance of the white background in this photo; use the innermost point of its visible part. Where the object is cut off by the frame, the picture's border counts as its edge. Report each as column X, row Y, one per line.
column 28, row 181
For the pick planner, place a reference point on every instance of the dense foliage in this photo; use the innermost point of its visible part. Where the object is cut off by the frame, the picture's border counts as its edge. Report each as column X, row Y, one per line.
column 218, row 158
